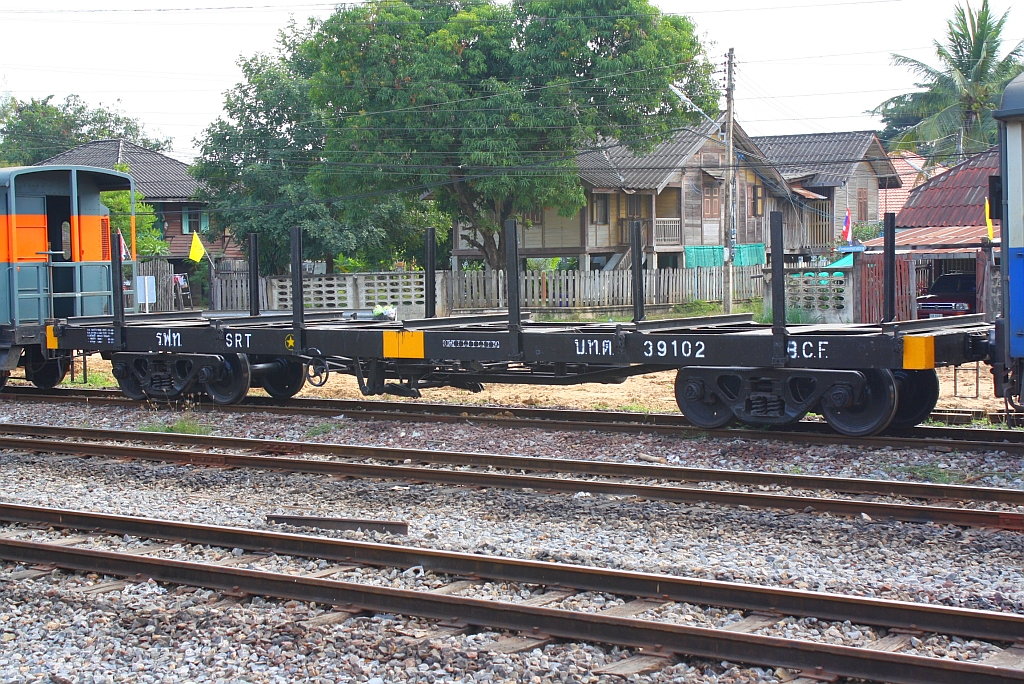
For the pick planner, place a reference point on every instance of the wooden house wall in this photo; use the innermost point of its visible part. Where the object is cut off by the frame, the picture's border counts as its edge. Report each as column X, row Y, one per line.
column 560, row 231
column 693, row 206
column 667, row 203
column 846, row 197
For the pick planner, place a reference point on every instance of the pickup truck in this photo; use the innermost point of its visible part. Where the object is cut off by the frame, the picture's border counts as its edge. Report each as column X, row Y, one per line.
column 952, row 294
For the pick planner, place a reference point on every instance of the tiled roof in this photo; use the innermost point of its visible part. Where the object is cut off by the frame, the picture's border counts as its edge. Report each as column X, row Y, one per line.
column 913, row 170
column 954, row 198
column 826, row 159
column 158, row 177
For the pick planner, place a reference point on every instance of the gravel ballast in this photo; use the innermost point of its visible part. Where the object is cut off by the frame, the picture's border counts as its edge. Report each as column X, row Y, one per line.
column 945, row 565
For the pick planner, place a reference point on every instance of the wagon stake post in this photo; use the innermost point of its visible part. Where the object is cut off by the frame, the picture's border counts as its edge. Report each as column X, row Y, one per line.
column 889, row 282
column 298, row 299
column 430, row 273
column 778, row 291
column 254, row 275
column 636, row 248
column 117, row 290
column 512, row 286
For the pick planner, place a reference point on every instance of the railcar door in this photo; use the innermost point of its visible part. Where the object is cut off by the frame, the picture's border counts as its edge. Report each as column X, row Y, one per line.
column 58, row 215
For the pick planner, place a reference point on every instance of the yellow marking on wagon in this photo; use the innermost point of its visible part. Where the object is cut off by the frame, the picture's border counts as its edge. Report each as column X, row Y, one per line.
column 918, row 352
column 51, row 339
column 403, row 344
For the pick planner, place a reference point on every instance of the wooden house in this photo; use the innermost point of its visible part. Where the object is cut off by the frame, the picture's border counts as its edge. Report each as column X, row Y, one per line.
column 678, row 193
column 832, row 173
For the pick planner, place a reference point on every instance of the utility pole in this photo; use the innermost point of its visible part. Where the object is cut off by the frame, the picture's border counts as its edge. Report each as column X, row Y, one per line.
column 729, row 229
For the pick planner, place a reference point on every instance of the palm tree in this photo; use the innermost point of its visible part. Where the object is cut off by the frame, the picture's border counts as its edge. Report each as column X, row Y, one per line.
column 952, row 116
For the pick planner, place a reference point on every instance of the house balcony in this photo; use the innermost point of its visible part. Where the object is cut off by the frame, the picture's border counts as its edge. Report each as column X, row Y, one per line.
column 667, row 231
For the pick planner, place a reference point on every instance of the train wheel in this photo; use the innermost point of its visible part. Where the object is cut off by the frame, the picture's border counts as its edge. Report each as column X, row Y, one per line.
column 131, row 387
column 286, row 382
column 699, row 404
column 872, row 413
column 45, row 373
column 918, row 394
column 233, row 383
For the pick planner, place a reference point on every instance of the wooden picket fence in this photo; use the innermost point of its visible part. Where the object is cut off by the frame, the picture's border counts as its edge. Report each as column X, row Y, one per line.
column 582, row 289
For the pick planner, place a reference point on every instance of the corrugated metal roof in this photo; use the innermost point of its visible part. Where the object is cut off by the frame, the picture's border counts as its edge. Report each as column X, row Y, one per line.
column 157, row 176
column 617, row 167
column 954, row 198
column 936, row 235
column 827, row 159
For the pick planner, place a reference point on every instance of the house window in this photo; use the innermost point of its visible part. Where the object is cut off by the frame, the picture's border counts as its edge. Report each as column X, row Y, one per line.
column 862, row 204
column 634, row 204
column 755, row 201
column 535, row 217
column 711, row 159
column 599, row 208
column 194, row 219
column 712, row 201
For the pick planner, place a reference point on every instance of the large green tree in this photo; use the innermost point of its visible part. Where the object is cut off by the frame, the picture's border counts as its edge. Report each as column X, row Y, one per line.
column 39, row 129
column 487, row 104
column 255, row 163
column 951, row 116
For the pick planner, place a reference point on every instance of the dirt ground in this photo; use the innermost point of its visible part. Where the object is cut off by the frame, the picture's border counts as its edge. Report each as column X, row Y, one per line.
column 652, row 392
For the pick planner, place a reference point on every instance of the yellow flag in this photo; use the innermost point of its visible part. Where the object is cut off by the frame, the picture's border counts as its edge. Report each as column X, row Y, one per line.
column 196, row 251
column 988, row 220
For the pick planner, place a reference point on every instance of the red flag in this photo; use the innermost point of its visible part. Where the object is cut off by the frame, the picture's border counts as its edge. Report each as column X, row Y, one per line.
column 125, row 254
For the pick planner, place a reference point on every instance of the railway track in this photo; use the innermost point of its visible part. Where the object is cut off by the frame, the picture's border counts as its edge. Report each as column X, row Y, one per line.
column 805, row 432
column 42, row 441
column 534, row 623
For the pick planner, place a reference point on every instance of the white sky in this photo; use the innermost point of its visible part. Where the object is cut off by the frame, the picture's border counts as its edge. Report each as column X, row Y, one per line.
column 803, row 65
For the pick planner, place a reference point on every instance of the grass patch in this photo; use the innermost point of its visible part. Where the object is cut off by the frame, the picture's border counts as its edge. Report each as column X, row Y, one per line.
column 321, row 429
column 636, row 408
column 185, row 425
column 933, row 473
column 98, row 379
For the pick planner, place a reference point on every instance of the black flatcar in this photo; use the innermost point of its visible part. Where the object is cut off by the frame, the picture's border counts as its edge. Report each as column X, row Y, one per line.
column 861, row 378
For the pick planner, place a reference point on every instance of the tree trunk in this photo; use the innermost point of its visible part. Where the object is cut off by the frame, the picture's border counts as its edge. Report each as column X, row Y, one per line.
column 492, row 245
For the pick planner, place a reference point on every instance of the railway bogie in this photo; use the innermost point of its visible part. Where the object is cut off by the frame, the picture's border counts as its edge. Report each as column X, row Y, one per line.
column 225, row 378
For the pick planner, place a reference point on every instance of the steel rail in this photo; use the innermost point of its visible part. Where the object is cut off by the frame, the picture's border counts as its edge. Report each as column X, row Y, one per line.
column 807, row 432
column 833, row 607
column 916, row 490
column 907, row 513
column 843, row 661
